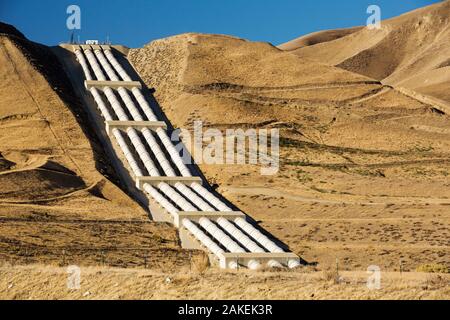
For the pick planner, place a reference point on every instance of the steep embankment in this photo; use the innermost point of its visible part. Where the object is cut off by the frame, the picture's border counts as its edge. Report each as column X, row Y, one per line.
column 364, row 168
column 56, row 193
column 411, row 50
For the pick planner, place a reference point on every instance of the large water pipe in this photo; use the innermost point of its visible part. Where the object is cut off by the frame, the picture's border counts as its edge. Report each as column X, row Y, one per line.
column 107, row 116
column 153, row 192
column 178, row 199
column 135, row 139
column 206, row 194
column 162, row 134
column 264, row 241
column 148, row 135
column 205, row 223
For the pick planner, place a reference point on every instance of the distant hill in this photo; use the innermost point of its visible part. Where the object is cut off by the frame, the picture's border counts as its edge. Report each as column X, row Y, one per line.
column 412, row 50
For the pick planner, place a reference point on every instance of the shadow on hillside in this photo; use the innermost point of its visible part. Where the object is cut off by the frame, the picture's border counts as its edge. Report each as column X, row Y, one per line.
column 44, row 60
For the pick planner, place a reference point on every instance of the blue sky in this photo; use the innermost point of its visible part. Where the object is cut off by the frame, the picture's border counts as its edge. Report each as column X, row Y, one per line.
column 136, row 22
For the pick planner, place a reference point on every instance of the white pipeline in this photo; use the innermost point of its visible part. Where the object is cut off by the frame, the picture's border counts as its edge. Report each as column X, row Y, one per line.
column 134, row 138
column 263, row 240
column 199, row 197
column 226, row 241
column 107, row 116
column 148, row 163
column 206, row 241
column 154, row 146
column 203, row 192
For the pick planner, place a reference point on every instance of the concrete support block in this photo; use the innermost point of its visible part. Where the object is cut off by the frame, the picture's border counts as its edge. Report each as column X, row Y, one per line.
column 189, row 242
column 154, row 181
column 85, row 46
column 263, row 258
column 213, row 216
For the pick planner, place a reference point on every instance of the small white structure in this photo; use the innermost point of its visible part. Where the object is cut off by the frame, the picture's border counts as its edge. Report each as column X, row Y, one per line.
column 92, row 42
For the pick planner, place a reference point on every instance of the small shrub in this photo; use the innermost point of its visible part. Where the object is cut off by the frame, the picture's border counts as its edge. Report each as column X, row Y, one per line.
column 200, row 263
column 331, row 276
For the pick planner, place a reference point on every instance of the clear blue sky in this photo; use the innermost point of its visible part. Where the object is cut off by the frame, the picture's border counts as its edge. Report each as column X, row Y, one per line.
column 136, row 22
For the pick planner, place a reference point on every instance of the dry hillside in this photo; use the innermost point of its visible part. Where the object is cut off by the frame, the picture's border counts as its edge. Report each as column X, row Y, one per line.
column 363, row 179
column 44, row 282
column 364, row 168
column 57, row 201
column 411, row 50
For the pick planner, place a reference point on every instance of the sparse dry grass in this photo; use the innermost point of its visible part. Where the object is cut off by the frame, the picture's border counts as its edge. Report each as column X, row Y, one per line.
column 43, row 282
column 200, row 263
column 433, row 268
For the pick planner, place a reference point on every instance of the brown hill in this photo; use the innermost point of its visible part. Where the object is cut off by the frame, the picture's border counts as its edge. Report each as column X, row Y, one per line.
column 411, row 50
column 364, row 168
column 56, row 194
column 363, row 173
column 317, row 37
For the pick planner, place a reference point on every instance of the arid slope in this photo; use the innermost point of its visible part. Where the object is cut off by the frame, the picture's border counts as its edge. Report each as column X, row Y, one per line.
column 364, row 168
column 57, row 203
column 411, row 50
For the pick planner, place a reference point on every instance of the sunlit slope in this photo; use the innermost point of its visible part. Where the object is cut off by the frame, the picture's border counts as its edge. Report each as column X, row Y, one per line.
column 56, row 193
column 411, row 50
column 363, row 172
